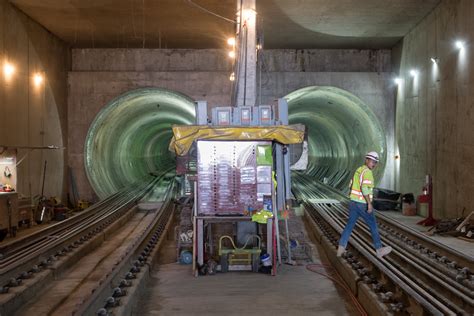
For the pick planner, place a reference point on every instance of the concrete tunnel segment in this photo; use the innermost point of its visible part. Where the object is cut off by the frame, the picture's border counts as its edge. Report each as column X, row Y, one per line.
column 129, row 137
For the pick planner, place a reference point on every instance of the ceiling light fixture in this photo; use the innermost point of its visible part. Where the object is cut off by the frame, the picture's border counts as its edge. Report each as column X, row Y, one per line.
column 232, row 54
column 398, row 80
column 434, row 60
column 413, row 72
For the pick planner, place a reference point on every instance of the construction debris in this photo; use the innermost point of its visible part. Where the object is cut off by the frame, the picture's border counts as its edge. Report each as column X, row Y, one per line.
column 462, row 227
column 464, row 222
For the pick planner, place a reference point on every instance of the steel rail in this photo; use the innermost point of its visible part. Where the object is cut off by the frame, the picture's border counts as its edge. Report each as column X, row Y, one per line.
column 14, row 246
column 428, row 292
column 462, row 258
column 436, row 253
column 319, row 190
column 137, row 255
column 47, row 247
column 420, row 262
column 69, row 230
column 398, row 277
column 45, row 242
column 432, row 300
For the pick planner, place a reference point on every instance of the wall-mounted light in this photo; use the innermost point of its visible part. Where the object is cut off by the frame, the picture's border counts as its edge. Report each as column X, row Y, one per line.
column 398, row 80
column 231, row 41
column 232, row 54
column 434, row 60
column 459, row 45
column 232, row 77
column 8, row 69
column 413, row 72
column 38, row 79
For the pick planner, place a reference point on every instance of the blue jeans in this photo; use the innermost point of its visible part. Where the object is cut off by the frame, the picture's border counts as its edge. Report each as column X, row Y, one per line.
column 355, row 210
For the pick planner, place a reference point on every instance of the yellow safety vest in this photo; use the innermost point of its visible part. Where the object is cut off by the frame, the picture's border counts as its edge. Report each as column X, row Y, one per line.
column 362, row 184
column 262, row 216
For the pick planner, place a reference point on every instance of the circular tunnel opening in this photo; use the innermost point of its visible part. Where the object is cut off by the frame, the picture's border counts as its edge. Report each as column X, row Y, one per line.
column 129, row 138
column 341, row 130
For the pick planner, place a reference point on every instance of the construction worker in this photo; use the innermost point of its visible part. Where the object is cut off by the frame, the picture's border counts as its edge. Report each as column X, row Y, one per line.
column 361, row 197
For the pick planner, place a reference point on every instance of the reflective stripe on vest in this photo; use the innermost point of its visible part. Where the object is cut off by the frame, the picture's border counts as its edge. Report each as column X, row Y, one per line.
column 360, row 196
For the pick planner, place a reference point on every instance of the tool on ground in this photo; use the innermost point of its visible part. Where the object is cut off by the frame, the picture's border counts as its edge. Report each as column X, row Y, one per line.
column 41, row 208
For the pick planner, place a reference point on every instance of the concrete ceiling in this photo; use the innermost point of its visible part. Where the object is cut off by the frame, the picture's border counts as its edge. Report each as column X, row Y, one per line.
column 181, row 24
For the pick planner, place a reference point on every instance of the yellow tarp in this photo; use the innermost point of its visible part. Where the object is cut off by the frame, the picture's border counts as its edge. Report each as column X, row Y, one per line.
column 185, row 135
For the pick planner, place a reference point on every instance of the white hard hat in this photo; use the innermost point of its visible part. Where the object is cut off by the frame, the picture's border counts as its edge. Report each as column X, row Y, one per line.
column 373, row 156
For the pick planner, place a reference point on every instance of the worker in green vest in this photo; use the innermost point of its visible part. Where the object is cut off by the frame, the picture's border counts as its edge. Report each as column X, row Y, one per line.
column 361, row 197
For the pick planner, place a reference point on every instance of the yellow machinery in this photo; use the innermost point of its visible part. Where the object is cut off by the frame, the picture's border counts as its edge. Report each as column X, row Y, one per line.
column 239, row 256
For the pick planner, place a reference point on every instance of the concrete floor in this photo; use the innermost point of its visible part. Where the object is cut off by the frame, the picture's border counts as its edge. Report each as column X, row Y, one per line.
column 173, row 290
column 295, row 291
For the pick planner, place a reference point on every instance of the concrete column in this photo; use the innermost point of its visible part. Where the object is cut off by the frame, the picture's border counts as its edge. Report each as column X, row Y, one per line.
column 247, row 55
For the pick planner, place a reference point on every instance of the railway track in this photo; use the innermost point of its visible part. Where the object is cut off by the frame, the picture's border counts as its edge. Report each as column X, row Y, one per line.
column 27, row 264
column 118, row 292
column 420, row 276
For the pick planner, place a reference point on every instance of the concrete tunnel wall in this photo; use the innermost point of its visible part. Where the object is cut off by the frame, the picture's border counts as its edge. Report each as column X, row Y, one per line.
column 34, row 115
column 101, row 75
column 434, row 119
column 435, row 110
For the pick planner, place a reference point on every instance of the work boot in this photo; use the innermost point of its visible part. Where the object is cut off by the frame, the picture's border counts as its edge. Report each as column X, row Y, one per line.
column 340, row 251
column 383, row 251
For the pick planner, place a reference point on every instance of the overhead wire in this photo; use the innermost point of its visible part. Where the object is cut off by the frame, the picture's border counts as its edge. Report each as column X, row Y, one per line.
column 143, row 23
column 210, row 12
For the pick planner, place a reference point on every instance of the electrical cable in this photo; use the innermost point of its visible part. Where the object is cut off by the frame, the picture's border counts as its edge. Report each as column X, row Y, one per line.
column 245, row 66
column 210, row 12
column 337, row 279
column 238, row 59
column 259, row 53
column 236, row 69
column 259, row 56
column 265, row 70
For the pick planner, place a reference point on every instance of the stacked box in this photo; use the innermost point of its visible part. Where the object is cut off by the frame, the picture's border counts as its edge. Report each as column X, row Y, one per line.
column 228, row 177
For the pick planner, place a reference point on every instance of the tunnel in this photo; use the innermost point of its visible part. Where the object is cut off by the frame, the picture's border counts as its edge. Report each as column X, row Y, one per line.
column 129, row 138
column 341, row 130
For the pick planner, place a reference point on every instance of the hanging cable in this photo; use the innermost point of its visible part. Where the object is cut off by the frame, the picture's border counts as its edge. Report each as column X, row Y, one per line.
column 245, row 65
column 210, row 12
column 335, row 277
column 259, row 56
column 238, row 59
